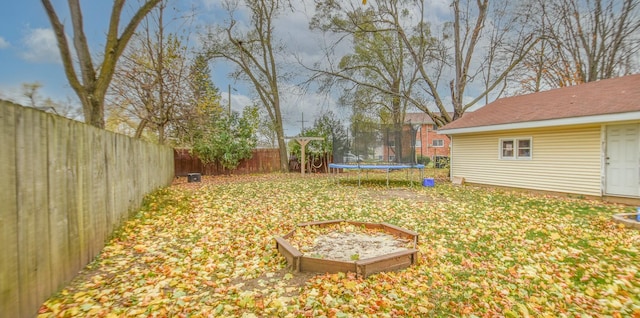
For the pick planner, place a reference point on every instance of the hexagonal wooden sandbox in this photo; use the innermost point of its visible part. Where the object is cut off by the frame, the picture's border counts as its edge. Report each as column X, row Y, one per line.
column 363, row 267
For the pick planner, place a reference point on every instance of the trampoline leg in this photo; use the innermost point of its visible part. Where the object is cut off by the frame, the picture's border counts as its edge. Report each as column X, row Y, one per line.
column 388, row 177
column 410, row 180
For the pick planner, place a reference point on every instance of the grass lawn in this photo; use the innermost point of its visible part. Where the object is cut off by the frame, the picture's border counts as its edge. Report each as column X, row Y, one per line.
column 207, row 250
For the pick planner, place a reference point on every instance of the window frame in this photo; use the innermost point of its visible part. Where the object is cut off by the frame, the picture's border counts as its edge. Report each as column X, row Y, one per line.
column 433, row 143
column 516, row 148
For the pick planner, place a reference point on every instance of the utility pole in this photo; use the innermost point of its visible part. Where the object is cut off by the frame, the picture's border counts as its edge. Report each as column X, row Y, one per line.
column 229, row 99
column 302, row 121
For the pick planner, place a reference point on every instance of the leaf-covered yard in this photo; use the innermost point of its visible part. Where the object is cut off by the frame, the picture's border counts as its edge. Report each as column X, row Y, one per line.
column 207, row 249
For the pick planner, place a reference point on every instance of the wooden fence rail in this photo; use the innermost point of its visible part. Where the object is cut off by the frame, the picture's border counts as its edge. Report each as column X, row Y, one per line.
column 64, row 187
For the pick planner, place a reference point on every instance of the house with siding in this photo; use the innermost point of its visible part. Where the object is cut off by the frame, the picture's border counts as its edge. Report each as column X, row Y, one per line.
column 428, row 143
column 583, row 139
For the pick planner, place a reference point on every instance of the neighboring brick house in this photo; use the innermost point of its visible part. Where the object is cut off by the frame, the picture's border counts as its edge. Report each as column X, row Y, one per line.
column 428, row 142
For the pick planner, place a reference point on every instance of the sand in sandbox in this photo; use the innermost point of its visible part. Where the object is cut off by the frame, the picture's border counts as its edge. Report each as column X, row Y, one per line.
column 343, row 246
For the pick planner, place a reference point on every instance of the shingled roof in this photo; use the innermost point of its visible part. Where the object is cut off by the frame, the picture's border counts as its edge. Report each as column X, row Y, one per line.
column 420, row 118
column 577, row 104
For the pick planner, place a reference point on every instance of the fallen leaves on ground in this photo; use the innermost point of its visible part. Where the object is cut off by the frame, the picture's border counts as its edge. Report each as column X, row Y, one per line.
column 207, row 249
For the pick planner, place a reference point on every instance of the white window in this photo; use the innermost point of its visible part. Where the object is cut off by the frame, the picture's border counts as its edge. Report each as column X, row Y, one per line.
column 437, row 143
column 515, row 148
column 418, row 143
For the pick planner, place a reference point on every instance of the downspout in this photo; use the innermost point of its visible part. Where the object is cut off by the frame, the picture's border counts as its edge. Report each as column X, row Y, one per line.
column 450, row 157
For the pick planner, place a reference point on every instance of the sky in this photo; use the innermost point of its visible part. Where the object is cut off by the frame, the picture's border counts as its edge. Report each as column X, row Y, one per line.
column 29, row 54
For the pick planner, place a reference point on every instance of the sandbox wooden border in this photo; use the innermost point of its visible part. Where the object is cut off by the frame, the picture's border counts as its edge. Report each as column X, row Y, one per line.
column 363, row 268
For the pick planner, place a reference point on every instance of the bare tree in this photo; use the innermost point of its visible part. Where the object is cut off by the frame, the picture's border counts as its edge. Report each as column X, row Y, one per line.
column 30, row 91
column 63, row 108
column 151, row 81
column 252, row 49
column 379, row 71
column 474, row 48
column 584, row 41
column 468, row 49
column 91, row 83
column 266, row 131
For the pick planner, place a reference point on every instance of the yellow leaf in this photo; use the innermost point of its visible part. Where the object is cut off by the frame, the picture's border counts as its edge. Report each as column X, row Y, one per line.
column 523, row 310
column 350, row 285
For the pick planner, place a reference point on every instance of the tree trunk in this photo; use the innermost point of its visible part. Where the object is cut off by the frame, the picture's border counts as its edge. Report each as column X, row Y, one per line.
column 282, row 146
column 94, row 111
column 92, row 85
column 141, row 126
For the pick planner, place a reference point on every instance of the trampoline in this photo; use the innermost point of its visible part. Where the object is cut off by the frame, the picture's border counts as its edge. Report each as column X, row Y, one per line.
column 370, row 145
column 334, row 167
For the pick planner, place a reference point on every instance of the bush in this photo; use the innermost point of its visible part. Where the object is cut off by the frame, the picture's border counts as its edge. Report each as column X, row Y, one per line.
column 442, row 162
column 228, row 139
column 423, row 160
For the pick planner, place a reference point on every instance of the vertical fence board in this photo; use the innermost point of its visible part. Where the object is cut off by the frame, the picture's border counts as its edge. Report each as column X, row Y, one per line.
column 108, row 191
column 85, row 215
column 10, row 286
column 111, row 177
column 98, row 199
column 41, row 199
column 74, row 218
column 27, row 235
column 87, row 191
column 59, row 231
column 80, row 200
column 130, row 185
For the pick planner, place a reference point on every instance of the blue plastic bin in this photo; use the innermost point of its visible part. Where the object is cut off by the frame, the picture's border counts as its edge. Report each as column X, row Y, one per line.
column 428, row 182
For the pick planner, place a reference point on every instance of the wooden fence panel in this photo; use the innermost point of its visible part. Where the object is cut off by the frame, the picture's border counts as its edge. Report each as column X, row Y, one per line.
column 262, row 161
column 10, row 283
column 64, row 187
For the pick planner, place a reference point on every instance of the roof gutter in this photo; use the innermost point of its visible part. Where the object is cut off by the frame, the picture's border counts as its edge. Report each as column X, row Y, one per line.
column 607, row 118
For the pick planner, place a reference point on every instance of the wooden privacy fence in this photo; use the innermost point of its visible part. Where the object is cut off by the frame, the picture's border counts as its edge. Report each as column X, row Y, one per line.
column 64, row 187
column 263, row 160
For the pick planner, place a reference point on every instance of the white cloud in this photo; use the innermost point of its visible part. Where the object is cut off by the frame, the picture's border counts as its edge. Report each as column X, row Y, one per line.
column 3, row 43
column 41, row 46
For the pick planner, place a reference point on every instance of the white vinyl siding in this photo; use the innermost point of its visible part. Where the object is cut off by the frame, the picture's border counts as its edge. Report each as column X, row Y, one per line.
column 565, row 160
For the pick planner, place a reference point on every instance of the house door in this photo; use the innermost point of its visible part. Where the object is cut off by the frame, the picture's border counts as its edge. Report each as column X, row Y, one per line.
column 623, row 160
